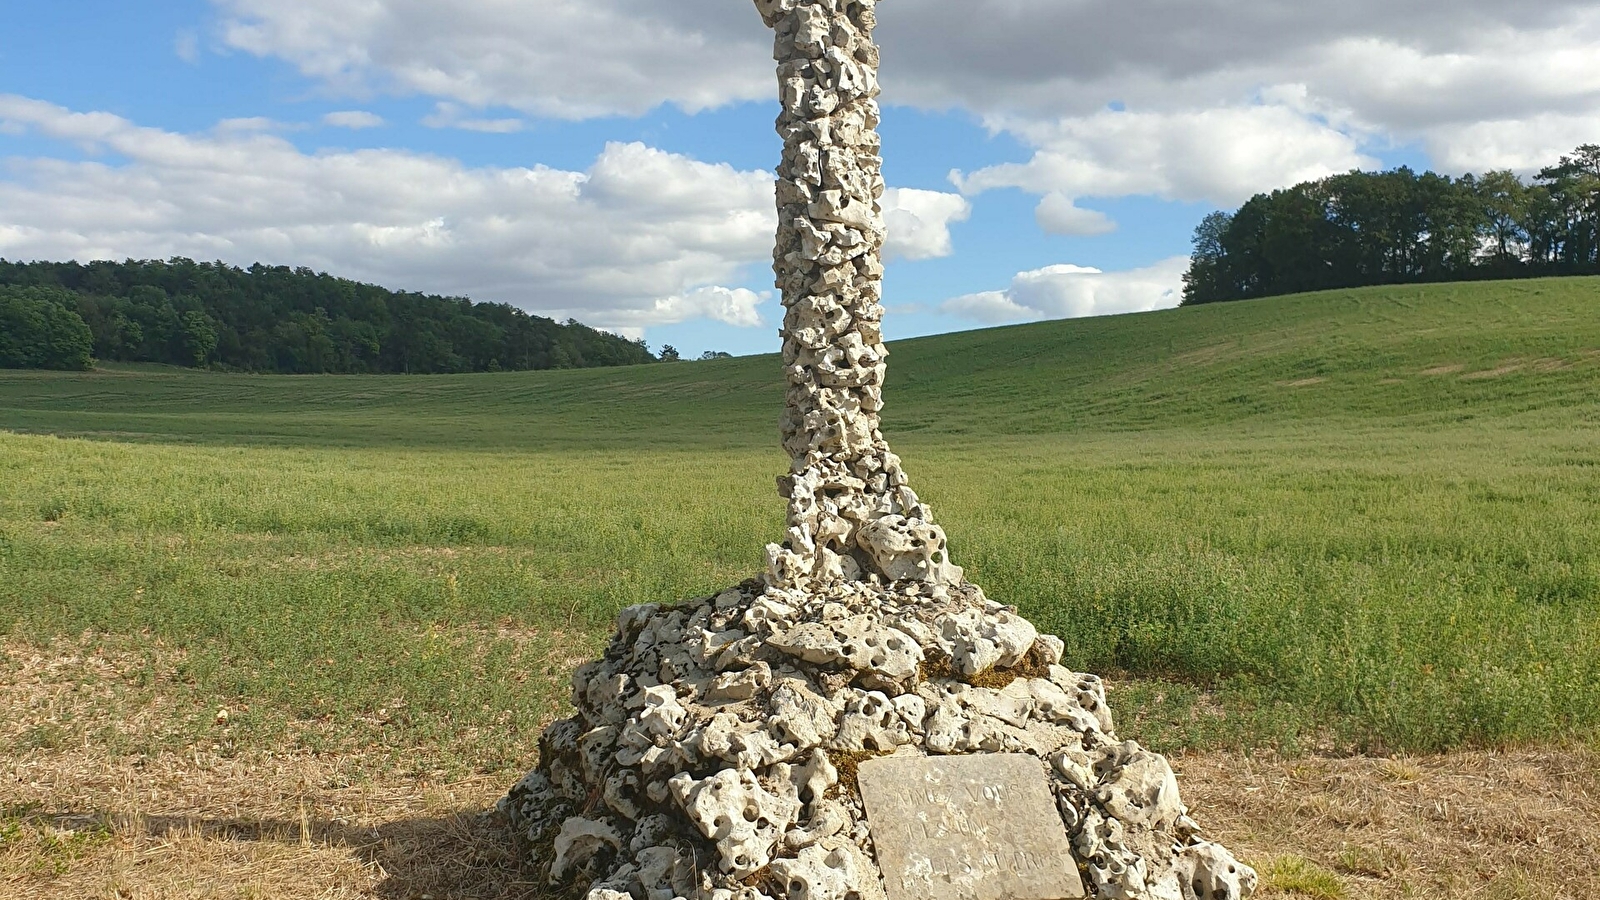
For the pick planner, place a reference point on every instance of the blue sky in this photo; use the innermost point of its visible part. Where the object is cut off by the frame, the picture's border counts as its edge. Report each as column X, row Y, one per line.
column 605, row 159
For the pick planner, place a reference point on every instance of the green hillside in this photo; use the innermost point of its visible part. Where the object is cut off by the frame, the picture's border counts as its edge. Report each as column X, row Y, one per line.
column 1425, row 355
column 1360, row 520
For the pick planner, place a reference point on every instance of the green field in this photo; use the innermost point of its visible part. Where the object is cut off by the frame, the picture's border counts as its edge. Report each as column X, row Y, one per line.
column 1365, row 520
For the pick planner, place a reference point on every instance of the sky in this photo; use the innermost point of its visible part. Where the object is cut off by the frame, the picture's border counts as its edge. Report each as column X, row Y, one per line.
column 610, row 160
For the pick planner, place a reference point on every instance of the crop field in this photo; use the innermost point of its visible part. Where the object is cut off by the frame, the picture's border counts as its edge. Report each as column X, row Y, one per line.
column 1341, row 552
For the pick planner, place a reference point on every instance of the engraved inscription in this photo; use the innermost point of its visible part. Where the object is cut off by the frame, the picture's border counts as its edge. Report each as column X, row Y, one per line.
column 968, row 828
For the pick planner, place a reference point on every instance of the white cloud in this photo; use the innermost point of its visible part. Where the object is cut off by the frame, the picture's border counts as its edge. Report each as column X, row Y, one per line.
column 1037, row 59
column 1220, row 155
column 990, row 308
column 354, row 119
column 919, row 222
column 561, row 58
column 187, row 45
column 1070, row 292
column 641, row 237
column 1225, row 97
column 248, row 124
column 739, row 307
column 451, row 115
column 1045, row 58
column 1060, row 214
column 1526, row 145
column 1291, row 90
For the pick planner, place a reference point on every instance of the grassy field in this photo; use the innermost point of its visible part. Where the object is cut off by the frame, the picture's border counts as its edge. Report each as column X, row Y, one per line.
column 1361, row 521
column 1365, row 519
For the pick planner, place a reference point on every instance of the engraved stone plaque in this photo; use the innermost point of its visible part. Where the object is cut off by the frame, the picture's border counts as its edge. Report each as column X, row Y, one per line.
column 979, row 827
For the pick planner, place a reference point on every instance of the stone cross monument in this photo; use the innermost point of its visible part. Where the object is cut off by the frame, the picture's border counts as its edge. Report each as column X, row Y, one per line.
column 861, row 723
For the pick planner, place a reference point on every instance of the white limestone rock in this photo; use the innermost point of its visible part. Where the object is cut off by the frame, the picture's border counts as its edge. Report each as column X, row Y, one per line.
column 740, row 685
column 1139, row 788
column 1208, row 871
column 804, row 717
column 976, row 642
column 861, row 643
column 579, row 842
column 832, row 871
column 870, row 722
column 744, row 819
column 909, row 550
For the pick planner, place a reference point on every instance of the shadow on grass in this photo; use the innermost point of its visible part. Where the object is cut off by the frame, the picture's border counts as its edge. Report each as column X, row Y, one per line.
column 461, row 856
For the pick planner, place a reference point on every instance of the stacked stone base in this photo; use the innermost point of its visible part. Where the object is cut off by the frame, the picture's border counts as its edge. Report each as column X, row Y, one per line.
column 714, row 751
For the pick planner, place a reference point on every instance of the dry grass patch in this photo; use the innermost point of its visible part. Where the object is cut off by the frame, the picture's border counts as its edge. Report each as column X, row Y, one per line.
column 258, row 820
column 79, row 824
column 219, row 820
column 1505, row 368
column 1466, row 825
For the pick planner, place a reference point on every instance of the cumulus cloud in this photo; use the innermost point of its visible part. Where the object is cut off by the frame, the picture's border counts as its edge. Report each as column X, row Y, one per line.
column 1070, row 292
column 1044, row 58
column 739, row 307
column 451, row 115
column 560, row 58
column 354, row 119
column 1224, row 97
column 1524, row 145
column 919, row 222
column 1287, row 90
column 1220, row 155
column 641, row 237
column 1060, row 214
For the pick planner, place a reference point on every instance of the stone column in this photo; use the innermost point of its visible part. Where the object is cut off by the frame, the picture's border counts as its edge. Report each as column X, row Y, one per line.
column 724, row 748
column 852, row 514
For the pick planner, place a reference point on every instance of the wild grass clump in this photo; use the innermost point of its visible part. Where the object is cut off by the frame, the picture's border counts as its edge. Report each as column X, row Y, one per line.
column 1300, row 877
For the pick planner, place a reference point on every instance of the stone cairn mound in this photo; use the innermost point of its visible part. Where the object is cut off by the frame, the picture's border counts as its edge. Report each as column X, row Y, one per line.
column 715, row 749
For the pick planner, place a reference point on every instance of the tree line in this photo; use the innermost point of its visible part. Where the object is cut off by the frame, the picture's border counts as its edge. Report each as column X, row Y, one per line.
column 1394, row 227
column 273, row 319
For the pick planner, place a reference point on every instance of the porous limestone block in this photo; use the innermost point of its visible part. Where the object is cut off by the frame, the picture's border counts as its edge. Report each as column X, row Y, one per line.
column 870, row 722
column 1089, row 692
column 578, row 843
column 744, row 819
column 661, row 715
column 1139, row 788
column 738, row 686
column 1208, row 871
column 908, row 549
column 863, row 643
column 803, row 716
column 833, row 870
column 976, row 641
